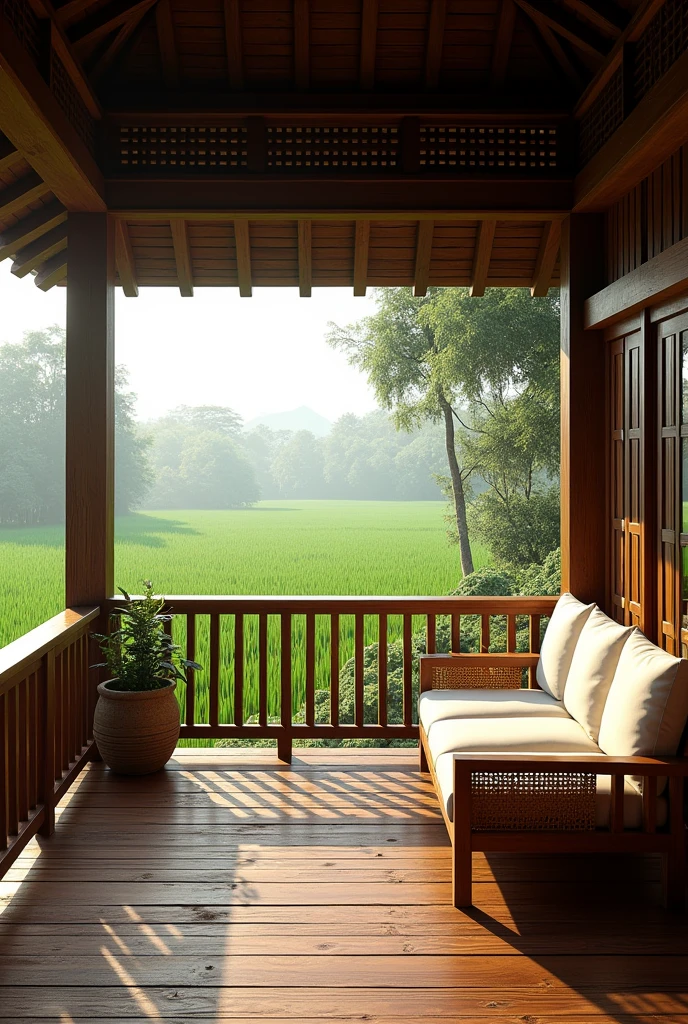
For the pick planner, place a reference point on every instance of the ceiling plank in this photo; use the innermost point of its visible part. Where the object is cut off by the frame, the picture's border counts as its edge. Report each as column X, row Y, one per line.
column 52, row 272
column 35, row 123
column 565, row 26
column 602, row 16
column 233, row 43
column 302, row 38
column 481, row 256
column 361, row 245
column 169, row 57
column 21, row 194
column 38, row 251
column 113, row 17
column 435, row 43
column 242, row 237
column 9, row 154
column 124, row 258
column 503, row 41
column 547, row 258
column 368, row 44
column 182, row 257
column 305, row 259
column 110, row 55
column 31, row 227
column 421, row 277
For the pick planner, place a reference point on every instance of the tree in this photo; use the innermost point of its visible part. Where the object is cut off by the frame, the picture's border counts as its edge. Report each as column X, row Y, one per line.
column 298, row 466
column 413, row 376
column 214, row 473
column 133, row 471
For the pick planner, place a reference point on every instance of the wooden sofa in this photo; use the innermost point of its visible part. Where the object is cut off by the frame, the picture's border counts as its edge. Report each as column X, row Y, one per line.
column 584, row 761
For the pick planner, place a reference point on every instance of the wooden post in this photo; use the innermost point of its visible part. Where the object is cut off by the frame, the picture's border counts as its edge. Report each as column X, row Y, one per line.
column 90, row 463
column 583, row 469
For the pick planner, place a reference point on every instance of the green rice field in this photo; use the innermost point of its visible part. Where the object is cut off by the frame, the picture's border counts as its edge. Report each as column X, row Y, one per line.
column 276, row 548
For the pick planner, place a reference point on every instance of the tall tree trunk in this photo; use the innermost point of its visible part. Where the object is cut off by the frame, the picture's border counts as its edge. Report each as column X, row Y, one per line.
column 457, row 488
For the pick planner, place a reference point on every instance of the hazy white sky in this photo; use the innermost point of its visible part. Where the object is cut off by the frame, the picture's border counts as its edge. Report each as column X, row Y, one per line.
column 258, row 355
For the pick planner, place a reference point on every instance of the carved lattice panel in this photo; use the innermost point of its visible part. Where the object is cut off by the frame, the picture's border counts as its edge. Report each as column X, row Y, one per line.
column 483, row 148
column 662, row 42
column 66, row 94
column 602, row 119
column 365, row 148
column 180, row 147
column 24, row 25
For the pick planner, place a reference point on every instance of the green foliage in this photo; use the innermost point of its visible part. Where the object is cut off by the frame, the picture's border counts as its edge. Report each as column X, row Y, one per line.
column 520, row 530
column 542, row 580
column 139, row 654
column 298, row 467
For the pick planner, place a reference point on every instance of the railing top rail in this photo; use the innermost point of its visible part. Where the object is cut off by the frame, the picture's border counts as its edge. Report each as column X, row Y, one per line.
column 337, row 604
column 26, row 649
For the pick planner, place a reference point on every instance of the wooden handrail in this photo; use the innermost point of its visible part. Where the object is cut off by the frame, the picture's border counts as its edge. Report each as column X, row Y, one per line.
column 17, row 656
column 250, row 605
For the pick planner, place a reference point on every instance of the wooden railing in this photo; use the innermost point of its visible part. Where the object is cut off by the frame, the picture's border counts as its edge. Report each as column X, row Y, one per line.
column 289, row 668
column 46, row 710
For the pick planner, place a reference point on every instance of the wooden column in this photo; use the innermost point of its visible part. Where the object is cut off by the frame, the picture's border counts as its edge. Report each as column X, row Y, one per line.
column 583, row 419
column 90, row 470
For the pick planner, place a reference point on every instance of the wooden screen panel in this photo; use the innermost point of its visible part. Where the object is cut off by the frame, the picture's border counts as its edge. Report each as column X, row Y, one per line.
column 668, row 483
column 617, row 493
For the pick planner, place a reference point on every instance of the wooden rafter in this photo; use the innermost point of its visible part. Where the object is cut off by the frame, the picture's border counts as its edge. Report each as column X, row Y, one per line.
column 305, row 259
column 21, row 194
column 368, row 44
column 9, row 154
column 602, row 16
column 31, row 227
column 52, row 272
column 124, row 258
column 74, row 10
column 233, row 44
column 242, row 238
column 547, row 258
column 100, row 26
column 572, row 29
column 182, row 256
column 481, row 256
column 421, row 278
column 361, row 245
column 502, row 44
column 555, row 52
column 114, row 48
column 434, row 43
column 38, row 251
column 302, row 34
column 169, row 57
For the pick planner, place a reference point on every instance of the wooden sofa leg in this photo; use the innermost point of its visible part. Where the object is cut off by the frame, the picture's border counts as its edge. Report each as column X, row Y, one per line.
column 675, row 860
column 422, row 758
column 462, row 854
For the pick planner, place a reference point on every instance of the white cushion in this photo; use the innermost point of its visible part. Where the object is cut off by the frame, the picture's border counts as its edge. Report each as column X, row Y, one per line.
column 559, row 642
column 497, row 735
column 592, row 669
column 435, row 705
column 633, row 801
column 647, row 706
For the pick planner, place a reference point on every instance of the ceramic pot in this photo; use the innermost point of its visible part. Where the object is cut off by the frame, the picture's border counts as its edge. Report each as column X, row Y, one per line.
column 136, row 731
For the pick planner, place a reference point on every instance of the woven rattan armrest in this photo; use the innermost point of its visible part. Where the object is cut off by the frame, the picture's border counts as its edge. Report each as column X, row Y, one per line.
column 474, row 671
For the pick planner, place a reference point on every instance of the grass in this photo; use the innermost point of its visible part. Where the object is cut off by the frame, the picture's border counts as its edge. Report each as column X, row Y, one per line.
column 276, row 548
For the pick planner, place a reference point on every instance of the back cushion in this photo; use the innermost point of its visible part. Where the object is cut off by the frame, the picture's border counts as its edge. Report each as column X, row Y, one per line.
column 592, row 669
column 559, row 642
column 647, row 705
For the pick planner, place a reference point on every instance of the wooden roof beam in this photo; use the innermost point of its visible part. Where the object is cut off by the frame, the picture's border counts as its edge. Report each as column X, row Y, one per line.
column 604, row 17
column 96, row 28
column 368, row 44
column 22, row 193
column 302, row 38
column 233, row 43
column 421, row 277
column 435, row 43
column 114, row 48
column 52, row 272
column 34, row 122
column 554, row 49
column 182, row 256
column 167, row 44
column 242, row 238
column 38, row 251
column 547, row 258
column 565, row 26
column 124, row 258
column 74, row 10
column 31, row 227
column 361, row 246
column 305, row 232
column 9, row 154
column 502, row 44
column 481, row 256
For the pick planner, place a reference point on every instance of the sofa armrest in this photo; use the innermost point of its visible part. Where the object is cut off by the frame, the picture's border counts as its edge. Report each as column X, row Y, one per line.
column 500, row 671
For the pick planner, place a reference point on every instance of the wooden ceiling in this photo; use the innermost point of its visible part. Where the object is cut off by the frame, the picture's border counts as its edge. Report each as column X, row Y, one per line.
column 256, row 62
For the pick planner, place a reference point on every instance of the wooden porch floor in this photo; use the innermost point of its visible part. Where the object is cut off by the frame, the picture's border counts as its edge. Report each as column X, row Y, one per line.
column 231, row 888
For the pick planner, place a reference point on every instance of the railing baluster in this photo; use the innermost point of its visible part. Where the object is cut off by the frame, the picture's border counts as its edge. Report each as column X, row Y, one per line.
column 263, row 669
column 190, row 709
column 239, row 669
column 33, row 740
column 431, row 634
column 71, row 704
column 48, row 762
column 511, row 633
column 334, row 669
column 456, row 633
column 382, row 671
column 485, row 634
column 408, row 671
column 284, row 741
column 214, row 695
column 12, row 780
column 310, row 668
column 359, row 700
column 22, row 751
column 534, row 643
column 4, row 780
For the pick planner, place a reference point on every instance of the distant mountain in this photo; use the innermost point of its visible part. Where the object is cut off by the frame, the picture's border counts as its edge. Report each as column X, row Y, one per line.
column 302, row 418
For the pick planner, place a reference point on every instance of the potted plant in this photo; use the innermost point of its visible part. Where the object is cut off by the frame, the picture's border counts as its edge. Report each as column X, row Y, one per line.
column 136, row 723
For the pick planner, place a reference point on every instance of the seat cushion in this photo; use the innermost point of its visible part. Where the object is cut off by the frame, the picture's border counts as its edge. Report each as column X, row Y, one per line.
column 633, row 801
column 559, row 642
column 647, row 705
column 436, row 705
column 509, row 735
column 592, row 669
